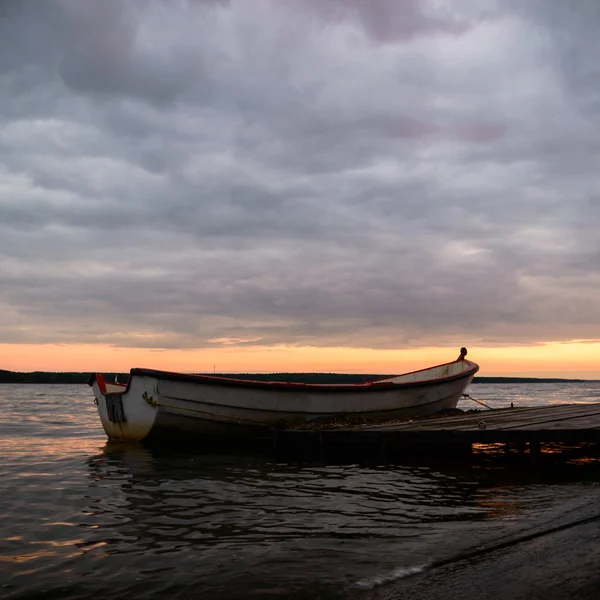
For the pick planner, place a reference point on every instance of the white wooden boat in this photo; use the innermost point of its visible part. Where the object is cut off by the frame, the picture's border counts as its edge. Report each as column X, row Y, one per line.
column 154, row 403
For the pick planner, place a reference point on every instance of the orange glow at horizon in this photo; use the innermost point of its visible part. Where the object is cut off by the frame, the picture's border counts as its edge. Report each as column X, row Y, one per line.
column 578, row 359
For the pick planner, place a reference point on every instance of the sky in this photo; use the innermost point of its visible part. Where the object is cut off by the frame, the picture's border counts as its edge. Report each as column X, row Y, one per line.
column 332, row 185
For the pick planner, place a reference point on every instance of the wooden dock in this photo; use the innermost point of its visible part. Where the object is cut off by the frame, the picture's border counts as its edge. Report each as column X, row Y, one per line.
column 565, row 423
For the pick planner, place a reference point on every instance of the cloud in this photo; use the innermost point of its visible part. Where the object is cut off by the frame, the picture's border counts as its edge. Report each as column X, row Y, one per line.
column 389, row 21
column 380, row 174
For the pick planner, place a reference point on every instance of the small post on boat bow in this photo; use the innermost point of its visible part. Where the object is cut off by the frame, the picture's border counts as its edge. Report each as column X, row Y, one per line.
column 463, row 353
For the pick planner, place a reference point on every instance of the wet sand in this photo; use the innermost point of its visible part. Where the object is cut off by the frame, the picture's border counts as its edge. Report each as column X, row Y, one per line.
column 559, row 562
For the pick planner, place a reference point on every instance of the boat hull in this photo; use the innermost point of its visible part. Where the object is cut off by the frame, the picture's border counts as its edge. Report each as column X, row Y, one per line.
column 171, row 422
column 157, row 404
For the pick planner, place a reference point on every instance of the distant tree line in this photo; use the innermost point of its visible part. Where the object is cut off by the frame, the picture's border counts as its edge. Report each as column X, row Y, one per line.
column 348, row 378
column 50, row 377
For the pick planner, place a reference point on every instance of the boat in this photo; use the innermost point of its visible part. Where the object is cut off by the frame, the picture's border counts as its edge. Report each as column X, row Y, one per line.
column 153, row 404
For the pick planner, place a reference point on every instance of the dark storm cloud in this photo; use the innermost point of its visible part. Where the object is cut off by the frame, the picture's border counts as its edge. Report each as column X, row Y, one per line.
column 383, row 173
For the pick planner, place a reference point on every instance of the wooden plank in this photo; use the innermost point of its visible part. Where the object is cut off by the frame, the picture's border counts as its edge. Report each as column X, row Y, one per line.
column 530, row 423
column 580, row 423
column 572, row 423
column 514, row 418
column 584, row 417
column 439, row 422
column 435, row 438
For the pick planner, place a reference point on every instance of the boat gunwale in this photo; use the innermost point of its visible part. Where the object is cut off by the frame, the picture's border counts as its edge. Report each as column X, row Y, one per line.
column 374, row 385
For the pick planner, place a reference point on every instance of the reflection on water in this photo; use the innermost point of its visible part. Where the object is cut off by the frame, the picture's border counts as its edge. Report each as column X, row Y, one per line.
column 81, row 517
column 499, row 395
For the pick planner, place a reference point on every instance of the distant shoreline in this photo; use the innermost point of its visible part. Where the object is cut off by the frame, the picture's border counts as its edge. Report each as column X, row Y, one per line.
column 47, row 377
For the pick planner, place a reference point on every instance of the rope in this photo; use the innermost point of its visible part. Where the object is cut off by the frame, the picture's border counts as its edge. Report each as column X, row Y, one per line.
column 239, row 420
column 478, row 401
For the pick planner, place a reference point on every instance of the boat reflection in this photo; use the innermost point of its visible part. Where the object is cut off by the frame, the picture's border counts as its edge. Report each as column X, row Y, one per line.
column 162, row 499
column 222, row 516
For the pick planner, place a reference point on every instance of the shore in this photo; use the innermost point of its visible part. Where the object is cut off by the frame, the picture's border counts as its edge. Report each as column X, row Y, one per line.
column 50, row 377
column 556, row 560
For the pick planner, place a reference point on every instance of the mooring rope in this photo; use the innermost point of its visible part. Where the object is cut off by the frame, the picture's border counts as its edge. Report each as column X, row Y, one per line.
column 239, row 420
column 478, row 401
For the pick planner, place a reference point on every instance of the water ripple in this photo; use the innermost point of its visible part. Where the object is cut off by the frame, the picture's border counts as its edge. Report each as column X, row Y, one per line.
column 81, row 517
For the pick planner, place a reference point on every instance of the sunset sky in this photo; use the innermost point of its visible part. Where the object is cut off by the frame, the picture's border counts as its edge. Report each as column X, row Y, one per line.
column 300, row 185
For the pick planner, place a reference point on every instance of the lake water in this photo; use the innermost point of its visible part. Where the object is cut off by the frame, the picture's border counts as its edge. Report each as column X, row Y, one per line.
column 80, row 517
